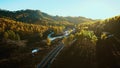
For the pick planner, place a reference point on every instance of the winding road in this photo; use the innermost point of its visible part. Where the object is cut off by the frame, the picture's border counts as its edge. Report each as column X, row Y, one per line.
column 45, row 63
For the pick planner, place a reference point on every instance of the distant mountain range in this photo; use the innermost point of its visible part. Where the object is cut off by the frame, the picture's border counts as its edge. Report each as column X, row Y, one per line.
column 36, row 16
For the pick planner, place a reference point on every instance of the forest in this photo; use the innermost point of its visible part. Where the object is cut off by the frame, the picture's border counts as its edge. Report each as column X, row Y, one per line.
column 92, row 43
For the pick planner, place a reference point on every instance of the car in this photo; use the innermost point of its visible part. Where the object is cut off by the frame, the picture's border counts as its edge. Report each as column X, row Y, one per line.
column 35, row 51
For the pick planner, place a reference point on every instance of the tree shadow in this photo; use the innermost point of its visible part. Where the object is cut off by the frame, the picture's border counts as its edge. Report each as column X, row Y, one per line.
column 104, row 55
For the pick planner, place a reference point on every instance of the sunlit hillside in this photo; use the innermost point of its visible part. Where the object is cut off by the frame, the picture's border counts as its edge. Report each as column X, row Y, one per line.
column 59, row 34
column 90, row 42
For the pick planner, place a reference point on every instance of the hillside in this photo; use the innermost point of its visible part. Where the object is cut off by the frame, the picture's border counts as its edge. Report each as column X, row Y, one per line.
column 36, row 16
column 18, row 39
column 97, row 45
column 87, row 43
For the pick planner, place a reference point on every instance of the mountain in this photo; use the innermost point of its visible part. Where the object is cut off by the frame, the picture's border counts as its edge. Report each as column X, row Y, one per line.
column 36, row 16
column 79, row 19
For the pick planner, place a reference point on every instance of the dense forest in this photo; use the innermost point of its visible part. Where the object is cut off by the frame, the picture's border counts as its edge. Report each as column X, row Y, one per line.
column 97, row 45
column 92, row 43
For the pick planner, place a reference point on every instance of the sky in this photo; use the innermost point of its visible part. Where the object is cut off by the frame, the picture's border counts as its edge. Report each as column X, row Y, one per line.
column 95, row 9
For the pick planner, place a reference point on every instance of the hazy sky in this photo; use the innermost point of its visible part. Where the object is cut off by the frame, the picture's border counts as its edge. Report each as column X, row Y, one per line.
column 96, row 9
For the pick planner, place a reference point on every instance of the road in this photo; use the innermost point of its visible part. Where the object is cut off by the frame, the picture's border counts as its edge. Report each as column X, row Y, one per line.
column 45, row 63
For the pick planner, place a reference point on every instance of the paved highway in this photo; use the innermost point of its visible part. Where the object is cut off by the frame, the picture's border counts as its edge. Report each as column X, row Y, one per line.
column 45, row 63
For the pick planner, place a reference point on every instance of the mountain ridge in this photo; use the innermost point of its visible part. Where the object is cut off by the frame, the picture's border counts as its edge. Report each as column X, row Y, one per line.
column 36, row 16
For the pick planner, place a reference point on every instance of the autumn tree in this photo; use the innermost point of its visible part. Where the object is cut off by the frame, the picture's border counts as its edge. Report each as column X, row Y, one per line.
column 48, row 41
column 5, row 35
